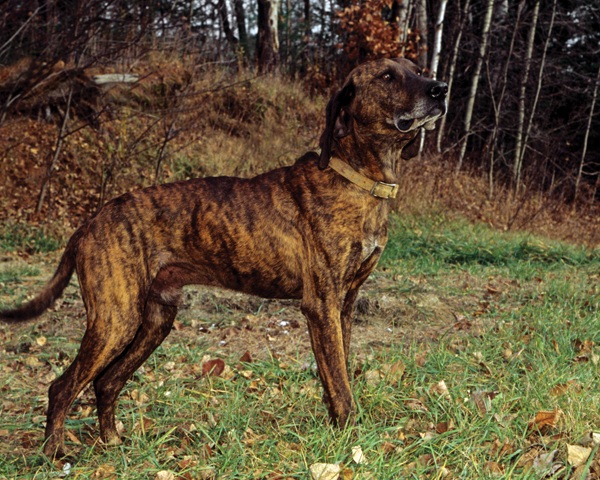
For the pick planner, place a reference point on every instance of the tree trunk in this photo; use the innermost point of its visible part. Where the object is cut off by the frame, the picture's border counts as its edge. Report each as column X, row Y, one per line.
column 539, row 84
column 471, row 100
column 435, row 57
column 437, row 41
column 421, row 7
column 499, row 103
column 240, row 18
column 520, row 147
column 451, row 71
column 587, row 136
column 267, row 42
column 224, row 16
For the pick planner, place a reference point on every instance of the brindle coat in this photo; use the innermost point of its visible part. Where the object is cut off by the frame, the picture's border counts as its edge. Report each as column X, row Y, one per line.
column 301, row 232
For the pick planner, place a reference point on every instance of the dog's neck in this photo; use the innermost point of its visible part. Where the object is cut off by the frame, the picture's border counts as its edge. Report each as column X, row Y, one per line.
column 380, row 157
column 375, row 188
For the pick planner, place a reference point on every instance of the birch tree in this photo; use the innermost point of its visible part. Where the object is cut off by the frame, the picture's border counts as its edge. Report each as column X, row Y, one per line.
column 421, row 11
column 520, row 145
column 587, row 136
column 498, row 104
column 435, row 55
column 451, row 71
column 475, row 80
column 538, row 90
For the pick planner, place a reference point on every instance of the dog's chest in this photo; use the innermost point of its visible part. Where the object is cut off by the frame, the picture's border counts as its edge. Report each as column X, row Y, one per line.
column 369, row 245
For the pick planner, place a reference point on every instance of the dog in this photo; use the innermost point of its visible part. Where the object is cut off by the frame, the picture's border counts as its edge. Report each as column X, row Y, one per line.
column 313, row 231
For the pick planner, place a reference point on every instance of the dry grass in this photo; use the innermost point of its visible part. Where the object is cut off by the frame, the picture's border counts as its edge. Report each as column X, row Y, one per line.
column 432, row 185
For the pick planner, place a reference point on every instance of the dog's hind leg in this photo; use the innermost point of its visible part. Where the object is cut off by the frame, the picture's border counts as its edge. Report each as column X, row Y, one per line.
column 102, row 343
column 156, row 325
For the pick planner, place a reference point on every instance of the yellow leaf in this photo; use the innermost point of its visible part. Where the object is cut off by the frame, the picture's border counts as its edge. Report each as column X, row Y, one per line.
column 577, row 455
column 325, row 471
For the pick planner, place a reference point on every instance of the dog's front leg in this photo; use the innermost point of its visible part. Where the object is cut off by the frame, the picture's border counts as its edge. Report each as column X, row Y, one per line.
column 327, row 339
column 348, row 307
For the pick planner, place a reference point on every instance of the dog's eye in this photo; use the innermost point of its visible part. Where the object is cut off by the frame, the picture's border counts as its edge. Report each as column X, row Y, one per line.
column 387, row 76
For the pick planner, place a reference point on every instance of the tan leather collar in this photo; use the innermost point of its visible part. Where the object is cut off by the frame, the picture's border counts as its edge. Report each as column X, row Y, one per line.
column 377, row 189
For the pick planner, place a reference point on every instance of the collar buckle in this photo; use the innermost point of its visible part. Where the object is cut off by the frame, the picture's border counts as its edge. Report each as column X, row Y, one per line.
column 384, row 190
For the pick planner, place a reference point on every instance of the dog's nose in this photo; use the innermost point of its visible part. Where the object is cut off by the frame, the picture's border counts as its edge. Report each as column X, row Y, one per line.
column 438, row 90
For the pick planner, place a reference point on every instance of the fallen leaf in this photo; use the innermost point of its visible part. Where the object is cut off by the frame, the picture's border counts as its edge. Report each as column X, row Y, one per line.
column 543, row 463
column 213, row 368
column 494, row 468
column 415, row 404
column 373, row 377
column 105, row 471
column 246, row 357
column 325, row 471
column 577, row 455
column 164, row 475
column 545, row 420
column 440, row 389
column 187, row 461
column 526, row 460
column 483, row 400
column 590, row 438
column 358, row 456
column 41, row 341
column 169, row 366
column 72, row 437
column 394, row 372
column 346, row 474
column 562, row 388
column 443, row 427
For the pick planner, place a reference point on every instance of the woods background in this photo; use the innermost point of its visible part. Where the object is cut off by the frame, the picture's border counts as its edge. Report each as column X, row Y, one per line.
column 523, row 75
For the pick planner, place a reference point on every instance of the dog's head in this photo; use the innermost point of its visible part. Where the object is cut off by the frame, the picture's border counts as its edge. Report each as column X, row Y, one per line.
column 387, row 99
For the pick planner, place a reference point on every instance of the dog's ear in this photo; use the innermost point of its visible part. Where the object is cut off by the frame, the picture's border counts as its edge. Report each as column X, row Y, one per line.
column 338, row 122
column 411, row 149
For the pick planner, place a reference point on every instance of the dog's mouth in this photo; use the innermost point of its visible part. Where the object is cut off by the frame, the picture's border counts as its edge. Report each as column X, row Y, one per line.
column 405, row 122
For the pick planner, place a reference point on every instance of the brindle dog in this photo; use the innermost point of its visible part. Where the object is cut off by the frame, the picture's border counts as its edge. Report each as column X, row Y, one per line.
column 310, row 231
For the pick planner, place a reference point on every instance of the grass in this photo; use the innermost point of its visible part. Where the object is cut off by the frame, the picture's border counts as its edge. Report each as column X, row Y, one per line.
column 524, row 340
column 15, row 236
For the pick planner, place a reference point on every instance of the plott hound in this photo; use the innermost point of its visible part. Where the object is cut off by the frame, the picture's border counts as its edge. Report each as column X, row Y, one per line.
column 313, row 231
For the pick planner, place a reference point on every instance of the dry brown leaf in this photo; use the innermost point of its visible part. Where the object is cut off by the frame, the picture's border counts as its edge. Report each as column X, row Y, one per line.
column 526, row 460
column 416, row 405
column 187, row 461
column 440, row 389
column 394, row 372
column 246, row 357
column 346, row 474
column 562, row 388
column 105, row 470
column 482, row 400
column 421, row 359
column 72, row 437
column 494, row 468
column 373, row 377
column 443, row 427
column 213, row 368
column 545, row 420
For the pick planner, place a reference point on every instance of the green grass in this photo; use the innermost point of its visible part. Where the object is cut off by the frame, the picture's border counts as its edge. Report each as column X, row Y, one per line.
column 525, row 341
column 23, row 237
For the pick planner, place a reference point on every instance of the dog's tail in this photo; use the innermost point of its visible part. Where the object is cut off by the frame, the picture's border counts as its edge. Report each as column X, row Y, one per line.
column 51, row 291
